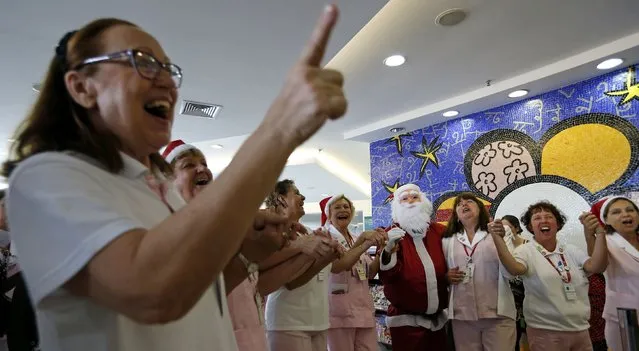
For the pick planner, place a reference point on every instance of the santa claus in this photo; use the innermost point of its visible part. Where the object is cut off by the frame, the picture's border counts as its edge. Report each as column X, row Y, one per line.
column 413, row 271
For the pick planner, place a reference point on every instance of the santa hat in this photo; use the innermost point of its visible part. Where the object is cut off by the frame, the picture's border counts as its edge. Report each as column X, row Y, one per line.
column 404, row 188
column 175, row 149
column 599, row 208
column 325, row 206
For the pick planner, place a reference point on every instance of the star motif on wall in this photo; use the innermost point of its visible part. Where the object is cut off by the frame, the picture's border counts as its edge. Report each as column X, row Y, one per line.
column 391, row 189
column 631, row 90
column 397, row 139
column 429, row 155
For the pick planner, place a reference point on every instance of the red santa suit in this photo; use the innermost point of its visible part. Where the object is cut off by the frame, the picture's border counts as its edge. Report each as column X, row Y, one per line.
column 415, row 285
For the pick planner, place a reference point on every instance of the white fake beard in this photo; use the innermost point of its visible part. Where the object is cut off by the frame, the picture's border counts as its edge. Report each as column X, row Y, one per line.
column 414, row 220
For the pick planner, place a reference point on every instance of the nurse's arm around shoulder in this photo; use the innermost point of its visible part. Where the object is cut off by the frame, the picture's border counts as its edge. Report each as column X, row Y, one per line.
column 512, row 265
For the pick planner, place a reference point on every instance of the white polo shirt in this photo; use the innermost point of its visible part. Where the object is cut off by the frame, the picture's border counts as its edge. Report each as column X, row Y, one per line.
column 63, row 210
column 302, row 309
column 546, row 305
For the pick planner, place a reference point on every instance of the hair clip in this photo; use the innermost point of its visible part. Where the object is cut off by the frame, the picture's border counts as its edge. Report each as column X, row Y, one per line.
column 61, row 49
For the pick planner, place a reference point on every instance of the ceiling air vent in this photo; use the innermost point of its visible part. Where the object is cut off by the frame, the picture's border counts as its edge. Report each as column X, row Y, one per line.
column 199, row 109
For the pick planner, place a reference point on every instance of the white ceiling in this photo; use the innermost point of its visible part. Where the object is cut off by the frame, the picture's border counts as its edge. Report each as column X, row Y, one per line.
column 236, row 53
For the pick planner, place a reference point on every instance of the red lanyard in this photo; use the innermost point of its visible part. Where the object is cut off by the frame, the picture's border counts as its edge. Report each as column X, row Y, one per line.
column 567, row 278
column 471, row 252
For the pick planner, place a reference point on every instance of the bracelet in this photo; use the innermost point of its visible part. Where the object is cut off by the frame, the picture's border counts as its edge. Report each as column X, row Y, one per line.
column 251, row 267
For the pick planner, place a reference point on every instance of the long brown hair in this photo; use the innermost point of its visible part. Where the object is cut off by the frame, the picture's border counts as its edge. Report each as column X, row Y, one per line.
column 57, row 123
column 455, row 226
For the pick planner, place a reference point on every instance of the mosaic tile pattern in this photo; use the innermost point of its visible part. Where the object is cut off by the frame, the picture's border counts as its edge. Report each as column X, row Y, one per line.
column 600, row 106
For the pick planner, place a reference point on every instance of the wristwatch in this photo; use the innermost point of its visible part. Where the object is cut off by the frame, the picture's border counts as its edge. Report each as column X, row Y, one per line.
column 251, row 267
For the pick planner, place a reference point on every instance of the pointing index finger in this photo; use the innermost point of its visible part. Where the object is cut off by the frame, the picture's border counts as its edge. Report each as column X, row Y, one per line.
column 314, row 51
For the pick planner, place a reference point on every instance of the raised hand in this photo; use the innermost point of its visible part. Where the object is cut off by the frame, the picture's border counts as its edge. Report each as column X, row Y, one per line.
column 311, row 94
column 379, row 237
column 314, row 246
column 455, row 276
column 497, row 228
column 394, row 236
column 591, row 223
column 268, row 234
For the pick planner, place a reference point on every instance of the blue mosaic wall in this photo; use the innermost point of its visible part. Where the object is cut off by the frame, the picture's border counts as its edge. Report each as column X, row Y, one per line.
column 446, row 158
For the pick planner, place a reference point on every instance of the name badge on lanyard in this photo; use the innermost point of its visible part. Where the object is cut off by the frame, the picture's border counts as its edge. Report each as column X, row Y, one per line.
column 321, row 276
column 564, row 272
column 361, row 271
column 470, row 266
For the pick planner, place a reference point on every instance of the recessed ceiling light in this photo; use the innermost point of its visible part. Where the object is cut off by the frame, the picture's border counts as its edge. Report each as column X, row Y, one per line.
column 451, row 113
column 610, row 63
column 11, row 140
column 518, row 93
column 397, row 129
column 394, row 60
column 450, row 17
column 217, row 146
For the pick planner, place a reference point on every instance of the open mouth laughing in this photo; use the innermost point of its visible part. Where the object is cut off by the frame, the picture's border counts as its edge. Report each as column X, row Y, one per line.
column 628, row 221
column 202, row 180
column 158, row 108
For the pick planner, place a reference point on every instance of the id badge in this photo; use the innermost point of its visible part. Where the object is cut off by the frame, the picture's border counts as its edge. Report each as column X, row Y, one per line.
column 570, row 292
column 321, row 276
column 468, row 273
column 361, row 272
column 258, row 304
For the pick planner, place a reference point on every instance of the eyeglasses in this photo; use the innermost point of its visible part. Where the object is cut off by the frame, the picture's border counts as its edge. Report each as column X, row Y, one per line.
column 145, row 64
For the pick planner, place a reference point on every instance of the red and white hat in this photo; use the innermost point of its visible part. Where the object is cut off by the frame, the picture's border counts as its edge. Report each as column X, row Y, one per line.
column 599, row 208
column 175, row 149
column 404, row 188
column 325, row 206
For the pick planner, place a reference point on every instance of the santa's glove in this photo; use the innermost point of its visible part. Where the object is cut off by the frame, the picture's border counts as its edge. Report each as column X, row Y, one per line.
column 394, row 236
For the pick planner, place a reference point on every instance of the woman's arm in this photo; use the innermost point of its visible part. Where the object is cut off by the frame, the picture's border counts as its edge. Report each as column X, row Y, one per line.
column 517, row 240
column 157, row 275
column 287, row 271
column 352, row 256
column 349, row 259
column 598, row 262
column 234, row 274
column 590, row 223
column 279, row 257
column 497, row 230
column 510, row 263
column 373, row 267
column 317, row 266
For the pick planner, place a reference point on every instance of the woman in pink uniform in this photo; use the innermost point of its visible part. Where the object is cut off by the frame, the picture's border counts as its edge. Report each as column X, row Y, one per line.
column 482, row 307
column 620, row 216
column 351, row 310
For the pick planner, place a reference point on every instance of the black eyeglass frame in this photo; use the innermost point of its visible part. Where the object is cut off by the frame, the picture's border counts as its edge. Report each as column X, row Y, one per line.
column 131, row 54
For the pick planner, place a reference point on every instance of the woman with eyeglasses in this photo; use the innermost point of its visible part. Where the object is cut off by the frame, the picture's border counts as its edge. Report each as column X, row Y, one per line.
column 113, row 257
